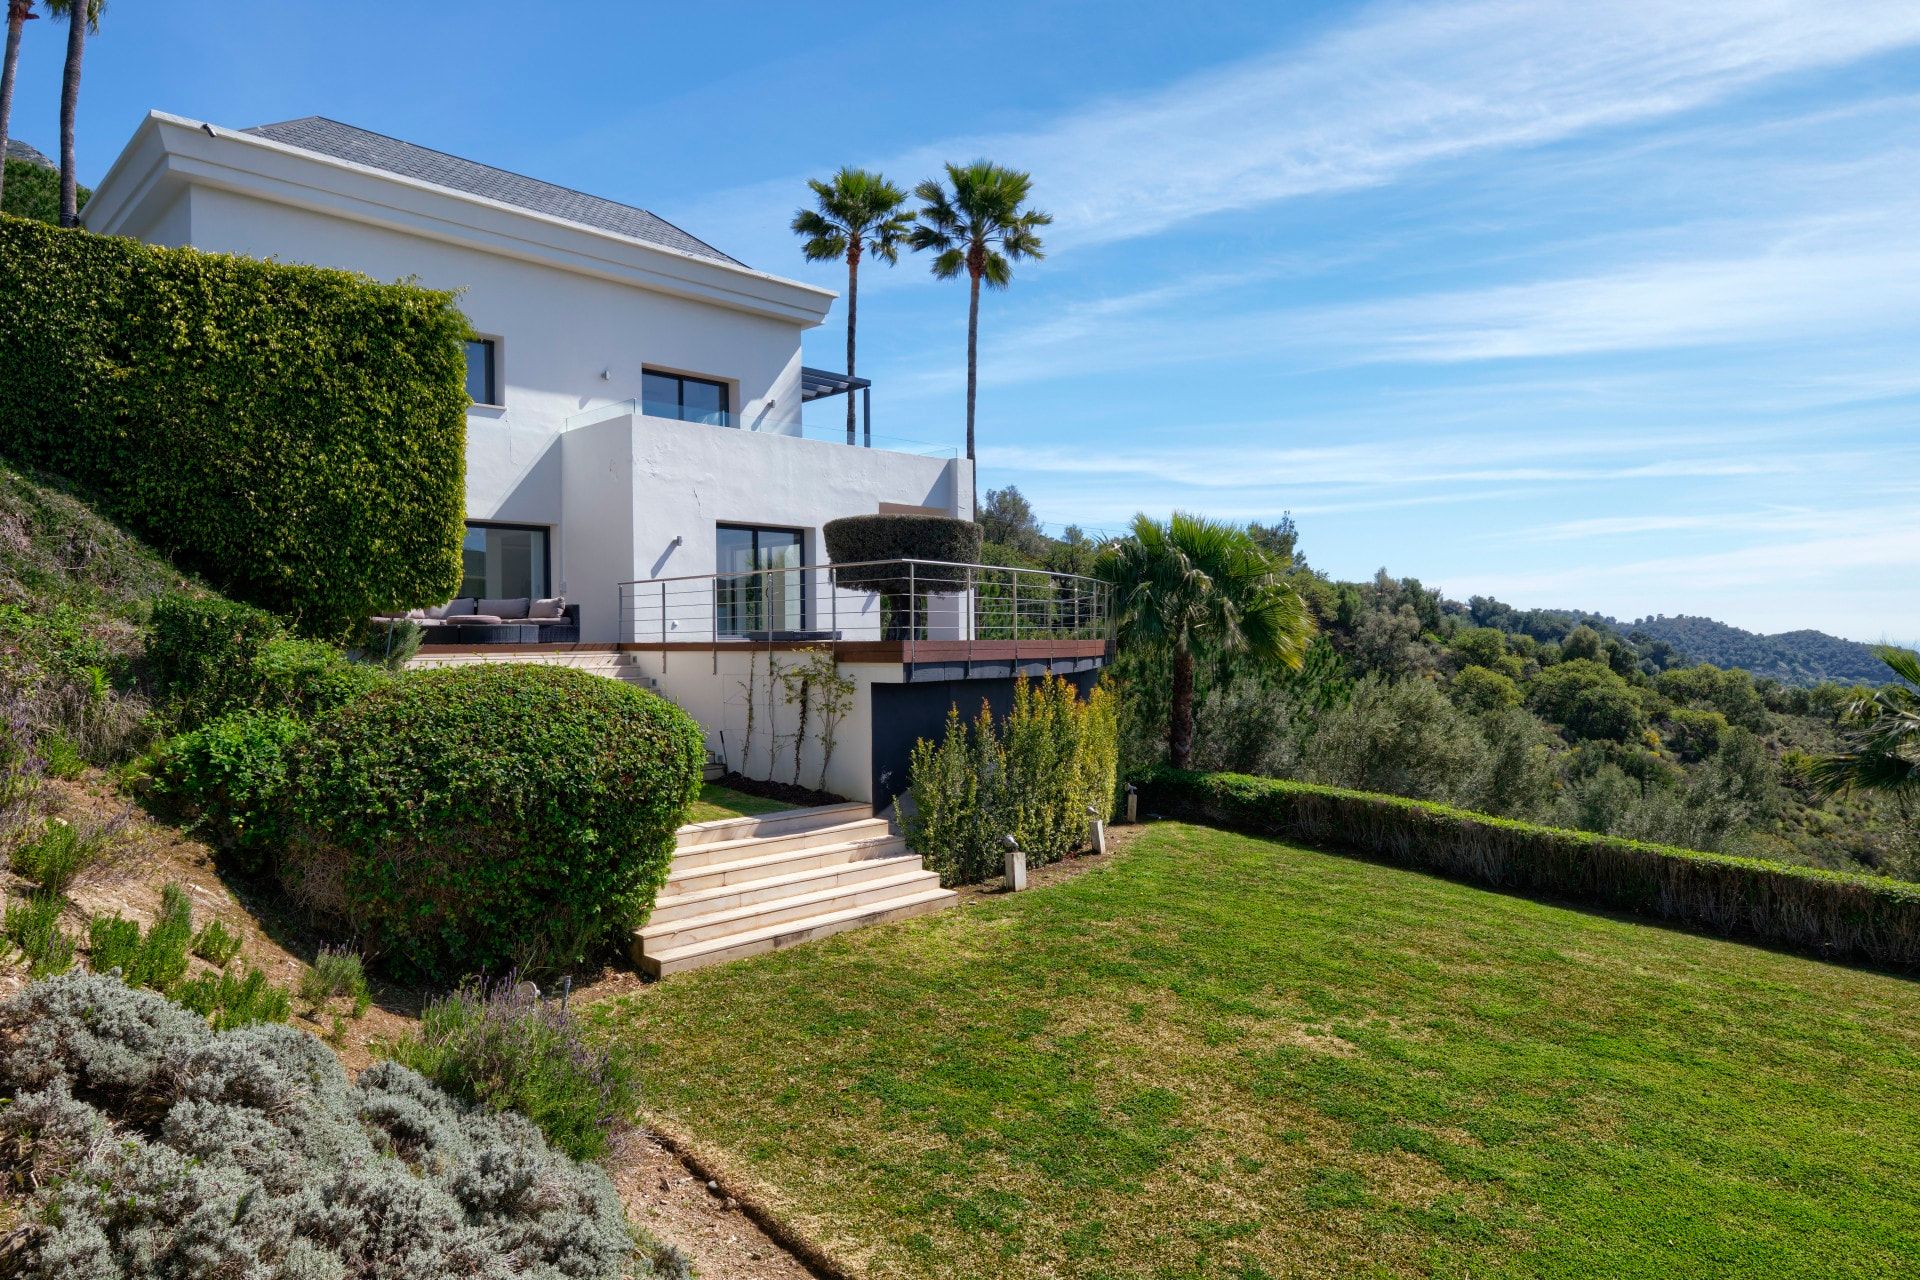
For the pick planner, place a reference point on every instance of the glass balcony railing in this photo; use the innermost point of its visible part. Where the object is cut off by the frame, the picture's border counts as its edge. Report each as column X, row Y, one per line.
column 819, row 424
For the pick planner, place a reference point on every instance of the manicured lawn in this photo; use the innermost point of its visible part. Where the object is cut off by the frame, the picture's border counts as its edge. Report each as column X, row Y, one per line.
column 717, row 801
column 1221, row 1056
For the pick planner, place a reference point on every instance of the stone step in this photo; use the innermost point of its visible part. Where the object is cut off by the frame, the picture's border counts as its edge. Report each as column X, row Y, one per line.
column 788, row 933
column 779, row 841
column 678, row 906
column 779, row 822
column 660, row 937
column 759, row 866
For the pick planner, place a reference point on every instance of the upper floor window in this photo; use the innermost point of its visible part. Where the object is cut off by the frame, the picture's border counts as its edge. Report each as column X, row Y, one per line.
column 483, row 371
column 671, row 395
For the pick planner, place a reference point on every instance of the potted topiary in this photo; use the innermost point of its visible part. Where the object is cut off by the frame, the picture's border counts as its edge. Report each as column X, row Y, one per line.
column 869, row 554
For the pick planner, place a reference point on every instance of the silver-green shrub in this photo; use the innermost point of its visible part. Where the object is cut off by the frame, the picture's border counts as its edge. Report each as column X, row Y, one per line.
column 145, row 1144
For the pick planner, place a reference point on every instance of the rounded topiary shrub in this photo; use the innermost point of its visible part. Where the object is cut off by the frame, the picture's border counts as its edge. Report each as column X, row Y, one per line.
column 471, row 819
column 859, row 541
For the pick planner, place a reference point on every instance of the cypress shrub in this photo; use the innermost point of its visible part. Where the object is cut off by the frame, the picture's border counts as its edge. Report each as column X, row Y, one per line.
column 473, row 819
column 1837, row 915
column 295, row 435
column 1032, row 776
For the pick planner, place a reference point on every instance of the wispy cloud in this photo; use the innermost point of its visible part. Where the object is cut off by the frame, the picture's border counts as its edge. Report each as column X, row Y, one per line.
column 1460, row 460
column 1400, row 87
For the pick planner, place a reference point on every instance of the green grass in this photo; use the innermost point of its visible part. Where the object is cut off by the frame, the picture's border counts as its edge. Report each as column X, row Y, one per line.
column 1222, row 1056
column 717, row 801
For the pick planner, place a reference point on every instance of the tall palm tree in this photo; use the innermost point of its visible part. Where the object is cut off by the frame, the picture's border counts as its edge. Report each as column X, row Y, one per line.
column 19, row 13
column 1882, row 739
column 1194, row 587
column 854, row 212
column 77, row 30
column 980, row 227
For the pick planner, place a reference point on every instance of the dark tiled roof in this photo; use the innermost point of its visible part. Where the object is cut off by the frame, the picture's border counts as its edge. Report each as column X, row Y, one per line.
column 377, row 151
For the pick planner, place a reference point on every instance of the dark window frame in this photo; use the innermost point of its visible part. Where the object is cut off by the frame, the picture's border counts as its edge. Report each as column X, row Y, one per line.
column 724, row 387
column 492, row 373
column 546, row 548
column 801, row 536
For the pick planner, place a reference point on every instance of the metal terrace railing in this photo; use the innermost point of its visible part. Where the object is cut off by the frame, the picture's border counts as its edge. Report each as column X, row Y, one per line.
column 915, row 603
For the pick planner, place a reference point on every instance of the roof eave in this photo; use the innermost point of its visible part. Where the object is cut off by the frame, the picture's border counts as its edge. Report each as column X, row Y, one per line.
column 169, row 148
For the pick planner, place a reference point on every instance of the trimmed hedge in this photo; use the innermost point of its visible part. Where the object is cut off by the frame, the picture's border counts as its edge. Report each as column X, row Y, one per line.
column 852, row 539
column 295, row 435
column 1839, row 916
column 489, row 817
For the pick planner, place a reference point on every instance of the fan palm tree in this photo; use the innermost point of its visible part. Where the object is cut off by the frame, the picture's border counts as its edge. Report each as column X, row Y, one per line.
column 19, row 13
column 1194, row 587
column 72, row 11
column 981, row 226
column 1882, row 738
column 854, row 211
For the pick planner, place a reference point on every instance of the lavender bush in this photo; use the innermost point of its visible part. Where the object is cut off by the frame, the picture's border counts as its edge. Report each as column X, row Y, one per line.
column 501, row 1045
column 141, row 1143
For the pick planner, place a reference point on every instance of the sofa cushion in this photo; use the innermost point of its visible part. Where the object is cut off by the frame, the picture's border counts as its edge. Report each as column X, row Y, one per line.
column 453, row 608
column 503, row 607
column 477, row 620
column 549, row 609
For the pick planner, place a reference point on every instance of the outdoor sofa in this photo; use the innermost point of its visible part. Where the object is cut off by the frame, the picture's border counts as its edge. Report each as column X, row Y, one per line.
column 507, row 620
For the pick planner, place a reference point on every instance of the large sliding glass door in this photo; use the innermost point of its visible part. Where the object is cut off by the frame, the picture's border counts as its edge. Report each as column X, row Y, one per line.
column 760, row 587
column 504, row 561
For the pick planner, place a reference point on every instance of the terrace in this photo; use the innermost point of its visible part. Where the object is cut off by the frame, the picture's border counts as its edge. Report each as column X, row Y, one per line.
column 938, row 620
column 709, row 404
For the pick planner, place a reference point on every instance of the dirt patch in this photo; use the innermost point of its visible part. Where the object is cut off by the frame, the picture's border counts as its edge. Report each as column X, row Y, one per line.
column 784, row 792
column 672, row 1203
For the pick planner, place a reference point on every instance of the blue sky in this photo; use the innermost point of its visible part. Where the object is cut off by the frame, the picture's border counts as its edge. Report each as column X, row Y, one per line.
column 1614, row 306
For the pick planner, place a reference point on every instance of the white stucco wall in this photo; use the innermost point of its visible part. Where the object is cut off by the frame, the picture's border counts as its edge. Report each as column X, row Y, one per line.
column 714, row 688
column 568, row 341
column 688, row 478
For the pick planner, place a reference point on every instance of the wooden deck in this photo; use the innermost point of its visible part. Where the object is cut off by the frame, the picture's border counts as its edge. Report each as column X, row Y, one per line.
column 902, row 652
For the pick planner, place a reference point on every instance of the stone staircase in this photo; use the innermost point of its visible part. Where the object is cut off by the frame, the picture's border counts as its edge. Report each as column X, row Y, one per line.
column 741, row 886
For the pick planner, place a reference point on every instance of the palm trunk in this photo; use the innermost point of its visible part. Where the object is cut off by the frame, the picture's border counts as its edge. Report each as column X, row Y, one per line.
column 69, row 109
column 973, row 378
column 853, row 319
column 16, row 22
column 1180, row 715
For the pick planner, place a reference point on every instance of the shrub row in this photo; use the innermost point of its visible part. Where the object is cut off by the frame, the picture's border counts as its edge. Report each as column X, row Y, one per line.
column 1033, row 776
column 296, row 435
column 1836, row 915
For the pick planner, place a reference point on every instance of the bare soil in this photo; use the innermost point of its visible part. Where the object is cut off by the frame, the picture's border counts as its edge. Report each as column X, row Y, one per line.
column 784, row 792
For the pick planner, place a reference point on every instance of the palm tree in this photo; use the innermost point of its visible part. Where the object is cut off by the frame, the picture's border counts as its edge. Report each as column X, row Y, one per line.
column 981, row 228
column 19, row 13
column 1883, row 738
column 854, row 212
column 70, row 97
column 1194, row 587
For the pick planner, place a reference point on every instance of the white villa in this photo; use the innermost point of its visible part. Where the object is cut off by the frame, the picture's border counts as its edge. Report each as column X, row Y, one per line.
column 636, row 446
column 613, row 343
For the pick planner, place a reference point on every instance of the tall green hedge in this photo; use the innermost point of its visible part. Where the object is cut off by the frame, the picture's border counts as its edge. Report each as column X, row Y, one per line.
column 296, row 435
column 1840, row 916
